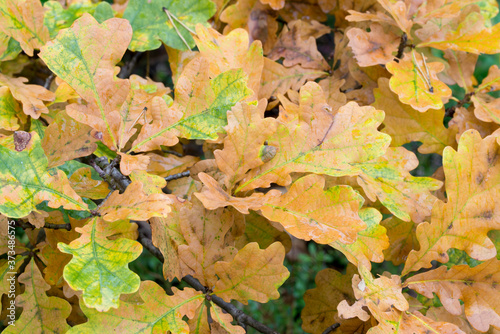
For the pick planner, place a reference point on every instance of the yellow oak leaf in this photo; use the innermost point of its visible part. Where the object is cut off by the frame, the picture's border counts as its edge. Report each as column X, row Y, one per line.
column 253, row 274
column 334, row 96
column 23, row 21
column 405, row 124
column 477, row 287
column 416, row 82
column 135, row 204
column 30, row 96
column 402, row 238
column 222, row 322
column 9, row 110
column 40, row 313
column 473, row 189
column 491, row 82
column 374, row 47
column 85, row 185
column 308, row 212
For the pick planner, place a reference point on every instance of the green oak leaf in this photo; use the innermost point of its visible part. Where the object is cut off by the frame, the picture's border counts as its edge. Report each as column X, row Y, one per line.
column 152, row 25
column 57, row 18
column 25, row 180
column 99, row 266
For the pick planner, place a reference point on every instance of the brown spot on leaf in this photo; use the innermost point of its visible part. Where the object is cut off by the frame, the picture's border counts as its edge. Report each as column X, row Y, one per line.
column 487, row 214
column 98, row 135
column 21, row 140
column 479, row 178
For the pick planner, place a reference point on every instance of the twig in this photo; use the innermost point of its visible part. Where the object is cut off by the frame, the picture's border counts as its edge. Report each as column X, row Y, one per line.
column 331, row 328
column 451, row 110
column 26, row 225
column 177, row 176
column 49, row 80
column 402, row 45
column 145, row 238
column 177, row 154
column 116, row 179
column 129, row 66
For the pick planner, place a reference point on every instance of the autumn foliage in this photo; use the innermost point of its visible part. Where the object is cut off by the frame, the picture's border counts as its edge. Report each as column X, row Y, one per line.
column 292, row 140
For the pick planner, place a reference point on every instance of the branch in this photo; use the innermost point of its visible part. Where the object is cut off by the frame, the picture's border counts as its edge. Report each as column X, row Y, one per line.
column 129, row 66
column 331, row 328
column 145, row 238
column 451, row 110
column 25, row 225
column 402, row 45
column 177, row 176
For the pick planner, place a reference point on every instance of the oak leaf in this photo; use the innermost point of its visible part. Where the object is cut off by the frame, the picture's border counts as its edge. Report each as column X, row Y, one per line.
column 297, row 47
column 152, row 25
column 369, row 243
column 99, row 266
column 405, row 124
column 374, row 47
column 492, row 80
column 30, row 96
column 462, row 65
column 9, row 110
column 23, row 21
column 402, row 238
column 416, row 86
column 274, row 4
column 209, row 239
column 222, row 324
column 66, row 139
column 476, row 287
column 464, row 120
column 334, row 96
column 157, row 313
column 9, row 47
column 169, row 164
column 231, row 51
column 486, row 108
column 308, row 212
column 40, row 313
column 135, row 204
column 253, row 274
column 25, row 180
column 471, row 210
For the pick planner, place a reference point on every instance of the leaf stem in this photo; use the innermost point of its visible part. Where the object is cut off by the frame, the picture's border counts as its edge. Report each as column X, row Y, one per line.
column 175, row 27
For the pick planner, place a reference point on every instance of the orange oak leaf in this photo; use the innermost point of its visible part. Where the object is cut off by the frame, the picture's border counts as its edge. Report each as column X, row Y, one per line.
column 491, row 82
column 209, row 239
column 247, row 131
column 84, row 58
column 222, row 324
column 311, row 139
column 258, row 19
column 66, row 139
column 253, row 274
column 178, row 59
column 374, row 47
column 169, row 164
column 486, row 107
column 462, row 65
column 167, row 236
column 85, row 185
column 416, row 82
column 402, row 238
column 275, row 4
column 471, row 211
column 308, row 10
column 135, row 204
column 334, row 96
column 231, row 51
column 477, row 287
column 399, row 13
column 297, row 46
column 320, row 310
column 213, row 196
column 308, row 212
column 405, row 124
column 40, row 313
column 278, row 79
column 30, row 96
column 23, row 21
column 129, row 163
column 464, row 120
column 370, row 242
